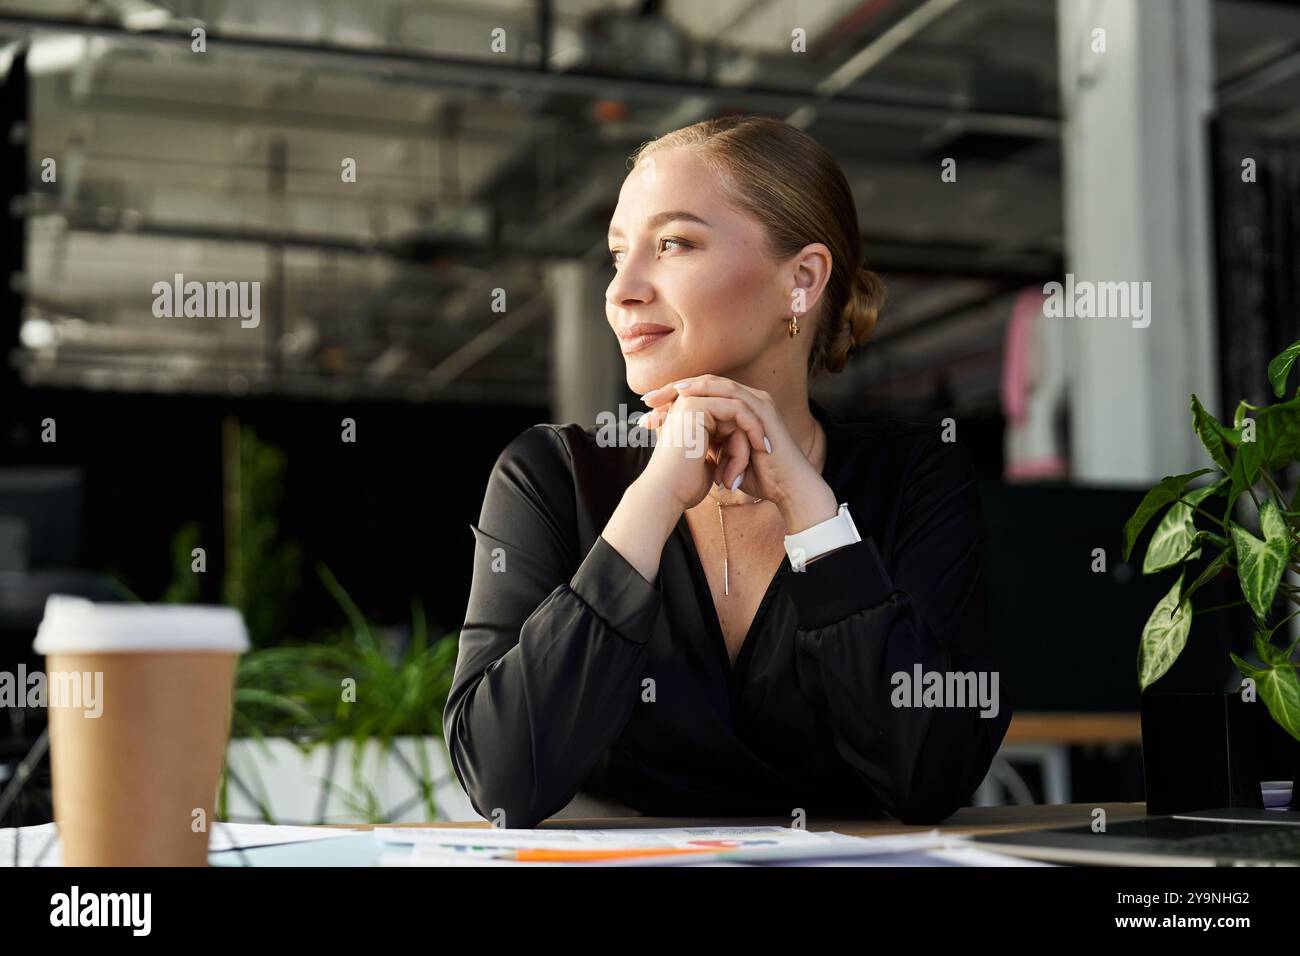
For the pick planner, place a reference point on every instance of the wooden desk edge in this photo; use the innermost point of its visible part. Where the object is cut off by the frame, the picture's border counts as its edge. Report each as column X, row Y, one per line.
column 968, row 820
column 1066, row 728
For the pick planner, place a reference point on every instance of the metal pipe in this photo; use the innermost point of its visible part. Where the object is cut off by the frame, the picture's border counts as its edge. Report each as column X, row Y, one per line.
column 396, row 66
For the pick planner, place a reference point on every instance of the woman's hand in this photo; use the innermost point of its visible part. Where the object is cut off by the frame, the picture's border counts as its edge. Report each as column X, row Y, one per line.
column 753, row 450
column 692, row 434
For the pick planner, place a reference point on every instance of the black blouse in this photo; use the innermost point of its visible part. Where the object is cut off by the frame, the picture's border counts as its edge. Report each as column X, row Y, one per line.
column 576, row 673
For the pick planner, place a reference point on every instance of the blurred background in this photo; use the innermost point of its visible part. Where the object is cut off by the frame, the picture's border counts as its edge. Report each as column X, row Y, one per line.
column 422, row 188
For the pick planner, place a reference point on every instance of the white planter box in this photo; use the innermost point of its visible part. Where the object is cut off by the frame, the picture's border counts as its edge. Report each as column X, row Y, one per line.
column 320, row 786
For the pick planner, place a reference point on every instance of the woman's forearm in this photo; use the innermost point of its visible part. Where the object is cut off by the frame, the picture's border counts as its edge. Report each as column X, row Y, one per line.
column 641, row 524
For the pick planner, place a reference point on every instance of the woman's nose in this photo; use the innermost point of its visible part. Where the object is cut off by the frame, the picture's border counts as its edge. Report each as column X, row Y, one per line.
column 628, row 288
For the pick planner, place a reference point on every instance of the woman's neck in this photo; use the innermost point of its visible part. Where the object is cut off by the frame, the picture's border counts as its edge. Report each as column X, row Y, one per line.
column 791, row 400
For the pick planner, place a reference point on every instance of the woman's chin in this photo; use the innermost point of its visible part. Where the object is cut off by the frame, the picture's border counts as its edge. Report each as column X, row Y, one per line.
column 644, row 374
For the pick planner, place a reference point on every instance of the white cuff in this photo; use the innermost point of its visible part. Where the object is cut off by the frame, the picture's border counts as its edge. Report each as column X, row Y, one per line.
column 813, row 542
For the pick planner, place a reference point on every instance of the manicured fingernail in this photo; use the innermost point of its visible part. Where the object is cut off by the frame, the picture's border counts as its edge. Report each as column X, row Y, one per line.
column 682, row 384
column 736, row 484
column 767, row 444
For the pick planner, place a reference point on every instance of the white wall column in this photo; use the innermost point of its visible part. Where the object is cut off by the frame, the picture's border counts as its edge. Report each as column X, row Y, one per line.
column 587, row 370
column 1136, row 182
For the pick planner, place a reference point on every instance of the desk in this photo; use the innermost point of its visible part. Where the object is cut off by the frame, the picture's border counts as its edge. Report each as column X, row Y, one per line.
column 1067, row 728
column 968, row 820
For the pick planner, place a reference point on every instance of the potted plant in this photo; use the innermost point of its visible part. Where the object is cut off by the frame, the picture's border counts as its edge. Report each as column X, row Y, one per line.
column 346, row 729
column 1184, row 769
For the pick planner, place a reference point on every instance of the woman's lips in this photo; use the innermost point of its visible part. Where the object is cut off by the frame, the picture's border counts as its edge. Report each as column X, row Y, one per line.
column 638, row 342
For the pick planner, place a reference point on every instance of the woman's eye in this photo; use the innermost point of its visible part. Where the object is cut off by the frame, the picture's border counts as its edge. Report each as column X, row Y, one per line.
column 614, row 253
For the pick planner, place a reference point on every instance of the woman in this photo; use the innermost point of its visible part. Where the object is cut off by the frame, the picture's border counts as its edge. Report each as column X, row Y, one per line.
column 737, row 632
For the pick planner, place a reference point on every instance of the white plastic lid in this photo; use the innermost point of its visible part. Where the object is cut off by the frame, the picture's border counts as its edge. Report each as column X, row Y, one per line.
column 74, row 625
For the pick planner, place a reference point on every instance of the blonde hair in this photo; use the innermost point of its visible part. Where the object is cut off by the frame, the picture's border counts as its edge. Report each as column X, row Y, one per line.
column 796, row 191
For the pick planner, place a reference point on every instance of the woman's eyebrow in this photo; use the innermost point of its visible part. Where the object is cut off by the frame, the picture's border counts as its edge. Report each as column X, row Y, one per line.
column 659, row 218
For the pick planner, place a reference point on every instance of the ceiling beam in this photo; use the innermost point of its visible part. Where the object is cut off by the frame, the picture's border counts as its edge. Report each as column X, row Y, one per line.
column 400, row 66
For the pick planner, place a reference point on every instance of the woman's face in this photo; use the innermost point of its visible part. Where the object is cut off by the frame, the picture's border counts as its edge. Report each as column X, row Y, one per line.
column 693, row 291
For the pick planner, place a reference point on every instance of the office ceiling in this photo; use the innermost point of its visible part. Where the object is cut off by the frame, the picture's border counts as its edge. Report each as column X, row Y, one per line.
column 475, row 169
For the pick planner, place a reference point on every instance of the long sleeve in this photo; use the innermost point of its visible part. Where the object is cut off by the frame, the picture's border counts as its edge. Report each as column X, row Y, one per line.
column 862, row 632
column 550, row 656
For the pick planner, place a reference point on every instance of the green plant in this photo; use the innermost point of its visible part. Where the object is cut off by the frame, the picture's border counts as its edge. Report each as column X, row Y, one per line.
column 184, row 586
column 1262, row 439
column 261, row 571
column 356, row 685
column 297, row 691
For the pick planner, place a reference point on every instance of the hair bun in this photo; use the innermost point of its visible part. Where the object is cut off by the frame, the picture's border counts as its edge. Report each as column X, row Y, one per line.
column 866, row 298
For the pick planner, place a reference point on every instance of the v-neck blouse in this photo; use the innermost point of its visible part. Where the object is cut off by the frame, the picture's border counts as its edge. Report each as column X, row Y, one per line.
column 575, row 673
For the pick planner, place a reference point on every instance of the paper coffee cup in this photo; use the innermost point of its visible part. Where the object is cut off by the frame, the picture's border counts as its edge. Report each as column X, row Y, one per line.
column 139, row 714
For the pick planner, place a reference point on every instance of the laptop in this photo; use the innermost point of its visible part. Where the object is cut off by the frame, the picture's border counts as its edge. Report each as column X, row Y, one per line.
column 1225, row 837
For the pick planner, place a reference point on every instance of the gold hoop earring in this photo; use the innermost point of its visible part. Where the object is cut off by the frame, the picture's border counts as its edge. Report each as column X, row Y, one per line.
column 794, row 326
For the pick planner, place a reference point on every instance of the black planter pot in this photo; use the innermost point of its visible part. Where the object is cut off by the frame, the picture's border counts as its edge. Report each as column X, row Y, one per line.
column 1204, row 751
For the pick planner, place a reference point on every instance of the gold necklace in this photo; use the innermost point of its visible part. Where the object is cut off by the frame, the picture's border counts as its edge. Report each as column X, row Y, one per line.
column 726, row 568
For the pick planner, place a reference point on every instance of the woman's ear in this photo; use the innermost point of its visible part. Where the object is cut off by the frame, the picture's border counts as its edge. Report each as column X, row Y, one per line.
column 811, row 270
